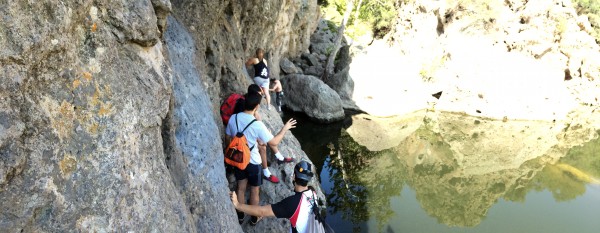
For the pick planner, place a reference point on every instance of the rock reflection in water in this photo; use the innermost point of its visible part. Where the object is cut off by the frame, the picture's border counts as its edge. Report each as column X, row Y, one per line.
column 459, row 166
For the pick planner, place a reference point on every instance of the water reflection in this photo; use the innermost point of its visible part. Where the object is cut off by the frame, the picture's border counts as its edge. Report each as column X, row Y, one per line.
column 458, row 166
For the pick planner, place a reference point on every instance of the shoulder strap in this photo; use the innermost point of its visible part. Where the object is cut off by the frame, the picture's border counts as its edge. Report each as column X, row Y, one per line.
column 248, row 125
column 238, row 127
column 236, row 124
column 313, row 196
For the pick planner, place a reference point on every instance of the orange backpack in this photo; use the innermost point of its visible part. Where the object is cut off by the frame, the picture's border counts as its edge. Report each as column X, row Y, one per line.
column 237, row 154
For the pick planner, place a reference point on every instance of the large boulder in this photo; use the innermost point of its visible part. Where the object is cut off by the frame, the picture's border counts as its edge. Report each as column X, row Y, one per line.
column 288, row 67
column 312, row 59
column 308, row 94
column 343, row 84
column 316, row 71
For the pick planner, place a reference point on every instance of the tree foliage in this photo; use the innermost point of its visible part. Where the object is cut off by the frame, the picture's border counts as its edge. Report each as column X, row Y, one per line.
column 376, row 16
column 591, row 8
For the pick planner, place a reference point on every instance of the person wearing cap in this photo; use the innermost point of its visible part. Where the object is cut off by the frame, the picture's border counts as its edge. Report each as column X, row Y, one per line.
column 297, row 208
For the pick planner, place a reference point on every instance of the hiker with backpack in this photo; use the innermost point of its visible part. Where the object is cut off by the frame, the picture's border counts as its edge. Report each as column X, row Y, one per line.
column 244, row 129
column 261, row 78
column 235, row 104
column 301, row 208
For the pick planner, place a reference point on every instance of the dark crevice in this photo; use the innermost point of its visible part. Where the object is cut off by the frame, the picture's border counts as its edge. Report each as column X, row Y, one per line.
column 440, row 26
column 162, row 11
column 167, row 133
column 229, row 9
column 568, row 75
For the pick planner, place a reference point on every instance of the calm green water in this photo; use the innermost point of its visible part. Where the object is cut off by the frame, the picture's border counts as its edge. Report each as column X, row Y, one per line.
column 459, row 174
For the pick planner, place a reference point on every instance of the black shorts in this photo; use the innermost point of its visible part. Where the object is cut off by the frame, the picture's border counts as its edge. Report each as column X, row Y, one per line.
column 252, row 173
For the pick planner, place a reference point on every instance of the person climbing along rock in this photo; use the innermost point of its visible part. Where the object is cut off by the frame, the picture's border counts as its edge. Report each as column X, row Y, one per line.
column 262, row 147
column 301, row 208
column 235, row 104
column 261, row 78
column 251, row 175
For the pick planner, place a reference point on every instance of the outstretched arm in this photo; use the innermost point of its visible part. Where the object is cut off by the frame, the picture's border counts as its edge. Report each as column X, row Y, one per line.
column 262, row 211
column 290, row 124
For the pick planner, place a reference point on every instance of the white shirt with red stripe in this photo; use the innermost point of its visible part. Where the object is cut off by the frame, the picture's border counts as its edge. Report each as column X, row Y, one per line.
column 297, row 209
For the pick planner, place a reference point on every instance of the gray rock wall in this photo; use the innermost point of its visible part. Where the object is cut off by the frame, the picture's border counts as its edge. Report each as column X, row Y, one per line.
column 83, row 103
column 108, row 125
column 192, row 140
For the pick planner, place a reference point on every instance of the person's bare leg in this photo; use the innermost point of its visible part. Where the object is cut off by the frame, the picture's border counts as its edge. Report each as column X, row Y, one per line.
column 254, row 198
column 266, row 93
column 262, row 150
column 241, row 190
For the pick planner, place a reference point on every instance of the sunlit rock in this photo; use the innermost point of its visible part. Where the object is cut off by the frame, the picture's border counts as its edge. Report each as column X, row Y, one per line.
column 308, row 94
column 495, row 59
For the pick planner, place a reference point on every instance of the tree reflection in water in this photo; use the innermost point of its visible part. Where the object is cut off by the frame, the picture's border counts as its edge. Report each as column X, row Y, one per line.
column 358, row 192
column 568, row 178
column 365, row 181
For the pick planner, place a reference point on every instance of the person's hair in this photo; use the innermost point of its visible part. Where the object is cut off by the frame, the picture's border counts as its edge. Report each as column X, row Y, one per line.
column 252, row 100
column 260, row 51
column 301, row 182
column 253, row 88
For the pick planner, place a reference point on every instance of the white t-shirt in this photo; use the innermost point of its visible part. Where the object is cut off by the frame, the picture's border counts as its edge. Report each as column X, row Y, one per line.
column 257, row 130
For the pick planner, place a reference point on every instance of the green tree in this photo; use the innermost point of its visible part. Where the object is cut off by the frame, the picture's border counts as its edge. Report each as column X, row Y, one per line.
column 591, row 8
column 377, row 16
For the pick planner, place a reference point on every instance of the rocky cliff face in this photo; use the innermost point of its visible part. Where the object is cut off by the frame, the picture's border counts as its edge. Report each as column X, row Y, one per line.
column 227, row 33
column 515, row 59
column 108, row 116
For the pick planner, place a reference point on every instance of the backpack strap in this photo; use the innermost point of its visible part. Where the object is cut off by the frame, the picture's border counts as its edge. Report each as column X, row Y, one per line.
column 248, row 125
column 314, row 205
column 312, row 197
column 238, row 128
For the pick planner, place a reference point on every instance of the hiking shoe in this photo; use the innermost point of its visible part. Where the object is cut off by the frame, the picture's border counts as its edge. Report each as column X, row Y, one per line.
column 285, row 160
column 272, row 178
column 254, row 220
column 241, row 217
